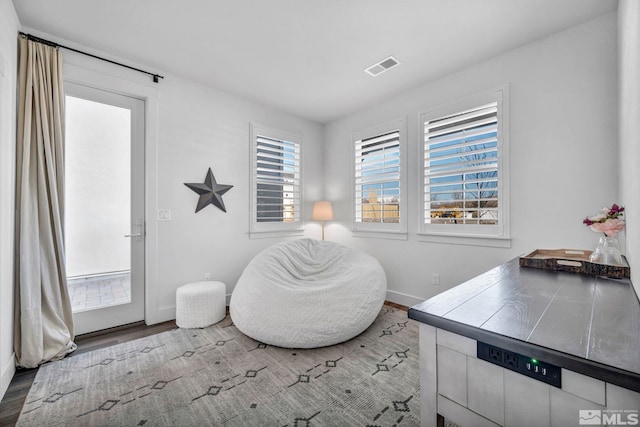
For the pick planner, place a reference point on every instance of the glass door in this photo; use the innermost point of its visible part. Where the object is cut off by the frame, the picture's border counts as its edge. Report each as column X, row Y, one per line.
column 104, row 207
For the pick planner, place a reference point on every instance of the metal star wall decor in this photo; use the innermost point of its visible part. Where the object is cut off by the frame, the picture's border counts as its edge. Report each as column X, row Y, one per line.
column 210, row 192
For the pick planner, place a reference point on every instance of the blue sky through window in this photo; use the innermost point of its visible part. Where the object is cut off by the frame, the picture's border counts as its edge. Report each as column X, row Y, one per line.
column 461, row 167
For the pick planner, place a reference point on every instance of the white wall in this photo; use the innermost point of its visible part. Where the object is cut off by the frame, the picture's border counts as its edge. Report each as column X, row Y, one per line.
column 563, row 156
column 629, row 90
column 200, row 127
column 8, row 77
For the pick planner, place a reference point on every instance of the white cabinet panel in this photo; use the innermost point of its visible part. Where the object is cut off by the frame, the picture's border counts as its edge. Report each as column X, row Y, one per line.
column 621, row 398
column 583, row 386
column 565, row 408
column 486, row 389
column 461, row 415
column 526, row 401
column 457, row 342
column 452, row 375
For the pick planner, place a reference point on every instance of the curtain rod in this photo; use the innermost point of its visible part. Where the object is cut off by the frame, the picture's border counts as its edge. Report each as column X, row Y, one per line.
column 50, row 43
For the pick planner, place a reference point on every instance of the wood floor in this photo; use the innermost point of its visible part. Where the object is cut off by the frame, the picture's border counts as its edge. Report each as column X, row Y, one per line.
column 16, row 394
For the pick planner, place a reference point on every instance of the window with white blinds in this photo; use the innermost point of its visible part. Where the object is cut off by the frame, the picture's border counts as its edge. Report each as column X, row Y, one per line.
column 276, row 201
column 378, row 179
column 463, row 169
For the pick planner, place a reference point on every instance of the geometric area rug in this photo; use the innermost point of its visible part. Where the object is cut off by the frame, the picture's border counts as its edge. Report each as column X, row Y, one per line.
column 217, row 376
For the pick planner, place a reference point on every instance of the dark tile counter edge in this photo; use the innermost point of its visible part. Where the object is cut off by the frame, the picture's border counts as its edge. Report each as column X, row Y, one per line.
column 577, row 364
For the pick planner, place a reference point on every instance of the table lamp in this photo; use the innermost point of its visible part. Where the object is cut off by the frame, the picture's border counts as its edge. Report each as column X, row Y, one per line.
column 322, row 211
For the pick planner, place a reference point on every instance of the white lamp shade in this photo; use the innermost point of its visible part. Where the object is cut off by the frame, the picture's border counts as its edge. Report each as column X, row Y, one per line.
column 322, row 211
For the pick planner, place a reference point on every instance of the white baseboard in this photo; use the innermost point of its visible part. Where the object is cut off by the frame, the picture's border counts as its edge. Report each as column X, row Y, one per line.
column 163, row 314
column 397, row 297
column 403, row 299
column 7, row 374
column 169, row 313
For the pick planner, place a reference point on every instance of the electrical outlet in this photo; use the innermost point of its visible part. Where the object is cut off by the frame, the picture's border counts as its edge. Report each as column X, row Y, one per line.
column 435, row 278
column 207, row 276
column 495, row 354
column 510, row 359
column 524, row 365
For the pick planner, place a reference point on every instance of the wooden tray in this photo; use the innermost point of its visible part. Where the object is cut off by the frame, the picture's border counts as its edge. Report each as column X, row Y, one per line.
column 573, row 261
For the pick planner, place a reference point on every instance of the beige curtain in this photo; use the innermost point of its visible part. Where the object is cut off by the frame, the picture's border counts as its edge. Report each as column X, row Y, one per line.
column 43, row 328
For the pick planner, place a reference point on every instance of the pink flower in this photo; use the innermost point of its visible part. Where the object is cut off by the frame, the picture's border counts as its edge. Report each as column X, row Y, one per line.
column 610, row 227
column 609, row 221
column 615, row 209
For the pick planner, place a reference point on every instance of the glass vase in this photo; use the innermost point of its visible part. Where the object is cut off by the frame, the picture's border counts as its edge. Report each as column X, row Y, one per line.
column 607, row 252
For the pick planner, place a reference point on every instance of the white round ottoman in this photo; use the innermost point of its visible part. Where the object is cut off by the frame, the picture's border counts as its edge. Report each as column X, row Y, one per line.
column 200, row 304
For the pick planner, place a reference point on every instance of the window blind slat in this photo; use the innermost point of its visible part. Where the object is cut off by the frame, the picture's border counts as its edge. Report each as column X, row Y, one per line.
column 464, row 144
column 273, row 174
column 374, row 167
column 271, row 198
column 466, row 155
column 475, row 166
column 273, row 141
column 366, row 149
column 262, row 192
column 378, row 180
column 469, row 197
column 277, row 161
column 275, row 201
column 277, row 193
column 430, row 173
column 463, row 116
column 377, row 139
column 467, row 182
column 275, row 209
column 432, row 134
column 382, row 156
column 468, row 134
column 442, row 173
column 379, row 169
column 279, row 182
column 270, row 174
column 277, row 150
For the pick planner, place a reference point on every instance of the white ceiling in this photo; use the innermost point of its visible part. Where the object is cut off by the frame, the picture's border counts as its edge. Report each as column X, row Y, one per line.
column 306, row 57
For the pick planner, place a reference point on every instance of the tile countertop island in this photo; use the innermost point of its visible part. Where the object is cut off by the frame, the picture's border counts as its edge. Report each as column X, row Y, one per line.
column 588, row 327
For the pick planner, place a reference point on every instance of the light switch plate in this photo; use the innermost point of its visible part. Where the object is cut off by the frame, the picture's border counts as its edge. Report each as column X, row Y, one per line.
column 164, row 215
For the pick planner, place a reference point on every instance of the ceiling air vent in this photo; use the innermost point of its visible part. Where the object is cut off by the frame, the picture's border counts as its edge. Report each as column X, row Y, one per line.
column 382, row 66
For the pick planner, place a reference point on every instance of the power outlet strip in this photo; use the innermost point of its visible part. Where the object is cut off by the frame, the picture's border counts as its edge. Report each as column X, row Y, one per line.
column 524, row 365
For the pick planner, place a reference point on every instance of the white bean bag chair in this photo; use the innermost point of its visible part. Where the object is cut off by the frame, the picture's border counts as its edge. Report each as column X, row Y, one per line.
column 308, row 293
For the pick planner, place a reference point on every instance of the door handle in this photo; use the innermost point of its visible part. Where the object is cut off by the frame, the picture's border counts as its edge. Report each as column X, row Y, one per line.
column 138, row 225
